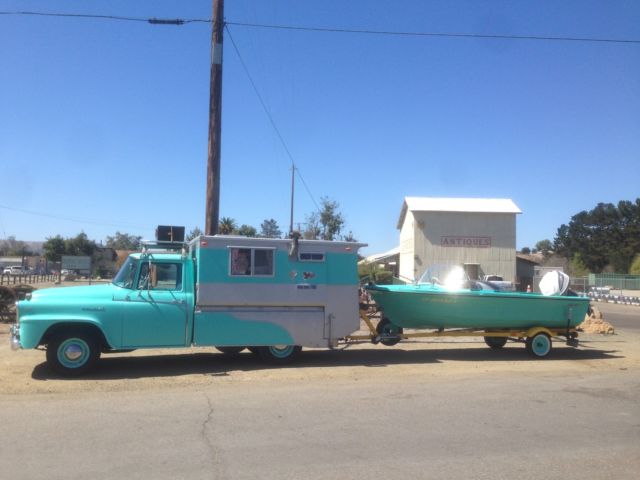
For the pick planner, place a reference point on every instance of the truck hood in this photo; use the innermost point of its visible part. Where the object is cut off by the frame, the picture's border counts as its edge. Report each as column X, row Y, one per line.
column 83, row 294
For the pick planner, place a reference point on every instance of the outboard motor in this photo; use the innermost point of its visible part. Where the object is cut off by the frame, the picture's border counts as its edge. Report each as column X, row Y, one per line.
column 554, row 283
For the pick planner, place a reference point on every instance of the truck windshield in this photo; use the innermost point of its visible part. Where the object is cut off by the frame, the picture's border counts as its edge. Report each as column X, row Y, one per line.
column 127, row 273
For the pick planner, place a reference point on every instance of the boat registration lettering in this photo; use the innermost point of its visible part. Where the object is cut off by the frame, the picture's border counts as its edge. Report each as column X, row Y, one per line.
column 439, row 300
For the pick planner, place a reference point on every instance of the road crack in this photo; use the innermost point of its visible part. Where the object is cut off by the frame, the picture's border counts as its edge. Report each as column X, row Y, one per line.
column 207, row 434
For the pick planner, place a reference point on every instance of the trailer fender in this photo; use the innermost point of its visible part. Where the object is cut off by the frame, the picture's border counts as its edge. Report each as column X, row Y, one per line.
column 535, row 330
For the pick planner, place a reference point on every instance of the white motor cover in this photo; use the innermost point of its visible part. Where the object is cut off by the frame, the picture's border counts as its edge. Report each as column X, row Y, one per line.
column 554, row 283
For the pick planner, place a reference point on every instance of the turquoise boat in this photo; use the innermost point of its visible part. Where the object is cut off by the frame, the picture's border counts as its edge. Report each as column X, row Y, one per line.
column 462, row 303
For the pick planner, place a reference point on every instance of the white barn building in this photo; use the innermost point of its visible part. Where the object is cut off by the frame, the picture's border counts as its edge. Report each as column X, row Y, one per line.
column 479, row 233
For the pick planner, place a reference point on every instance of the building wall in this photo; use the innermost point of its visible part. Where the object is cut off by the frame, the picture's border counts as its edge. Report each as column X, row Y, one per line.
column 407, row 248
column 488, row 239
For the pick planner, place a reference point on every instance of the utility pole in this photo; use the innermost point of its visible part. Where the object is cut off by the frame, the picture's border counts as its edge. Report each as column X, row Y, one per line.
column 215, row 117
column 293, row 175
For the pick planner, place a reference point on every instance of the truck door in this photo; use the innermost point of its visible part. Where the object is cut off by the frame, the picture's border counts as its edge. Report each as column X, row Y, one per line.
column 157, row 311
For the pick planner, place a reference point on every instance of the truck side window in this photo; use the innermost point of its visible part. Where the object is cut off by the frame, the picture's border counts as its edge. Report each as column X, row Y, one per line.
column 163, row 276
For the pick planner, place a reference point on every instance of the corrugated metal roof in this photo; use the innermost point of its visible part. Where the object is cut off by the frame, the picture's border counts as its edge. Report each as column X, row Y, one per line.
column 381, row 256
column 473, row 205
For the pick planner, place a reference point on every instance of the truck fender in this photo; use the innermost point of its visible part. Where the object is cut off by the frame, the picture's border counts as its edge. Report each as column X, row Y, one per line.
column 76, row 325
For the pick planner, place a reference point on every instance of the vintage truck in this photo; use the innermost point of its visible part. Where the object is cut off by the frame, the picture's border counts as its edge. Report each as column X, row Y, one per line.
column 273, row 296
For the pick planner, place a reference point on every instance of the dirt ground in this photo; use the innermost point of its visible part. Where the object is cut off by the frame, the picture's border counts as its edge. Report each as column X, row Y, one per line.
column 25, row 371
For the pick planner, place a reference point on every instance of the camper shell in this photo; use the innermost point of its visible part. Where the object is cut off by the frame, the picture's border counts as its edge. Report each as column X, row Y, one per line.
column 262, row 291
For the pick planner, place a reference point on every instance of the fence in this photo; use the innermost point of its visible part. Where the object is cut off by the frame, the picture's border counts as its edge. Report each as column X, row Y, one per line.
column 28, row 278
column 615, row 281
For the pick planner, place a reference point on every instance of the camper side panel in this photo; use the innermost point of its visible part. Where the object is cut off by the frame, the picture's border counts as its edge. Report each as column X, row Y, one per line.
column 278, row 298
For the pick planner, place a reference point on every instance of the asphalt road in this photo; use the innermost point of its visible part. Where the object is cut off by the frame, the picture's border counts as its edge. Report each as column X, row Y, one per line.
column 626, row 317
column 486, row 426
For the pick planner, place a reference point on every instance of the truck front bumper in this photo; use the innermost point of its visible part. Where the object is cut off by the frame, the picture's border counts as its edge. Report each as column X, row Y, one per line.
column 14, row 337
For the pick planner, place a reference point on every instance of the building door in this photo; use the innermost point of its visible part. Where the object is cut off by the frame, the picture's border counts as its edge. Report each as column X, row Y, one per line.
column 473, row 270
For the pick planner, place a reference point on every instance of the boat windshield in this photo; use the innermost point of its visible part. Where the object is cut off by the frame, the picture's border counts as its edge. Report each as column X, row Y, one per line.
column 449, row 276
column 127, row 274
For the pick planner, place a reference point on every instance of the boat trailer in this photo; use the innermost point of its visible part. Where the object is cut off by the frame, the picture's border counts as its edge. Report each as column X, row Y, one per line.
column 536, row 339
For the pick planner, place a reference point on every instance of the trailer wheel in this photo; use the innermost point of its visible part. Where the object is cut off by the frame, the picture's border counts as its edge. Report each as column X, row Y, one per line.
column 72, row 353
column 496, row 343
column 279, row 353
column 230, row 350
column 390, row 331
column 539, row 345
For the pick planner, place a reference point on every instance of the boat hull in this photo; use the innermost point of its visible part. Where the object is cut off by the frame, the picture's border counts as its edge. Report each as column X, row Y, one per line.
column 419, row 306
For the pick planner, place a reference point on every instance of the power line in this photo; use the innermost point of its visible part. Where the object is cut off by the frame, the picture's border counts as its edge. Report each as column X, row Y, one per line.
column 153, row 21
column 179, row 21
column 269, row 116
column 431, row 34
column 75, row 219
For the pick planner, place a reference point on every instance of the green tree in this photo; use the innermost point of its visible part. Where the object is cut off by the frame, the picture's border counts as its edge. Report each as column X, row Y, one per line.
column 349, row 237
column 608, row 235
column 331, row 219
column 325, row 224
column 313, row 229
column 124, row 241
column 577, row 268
column 270, row 229
column 247, row 231
column 80, row 245
column 196, row 232
column 525, row 250
column 54, row 248
column 635, row 266
column 227, row 226
column 544, row 247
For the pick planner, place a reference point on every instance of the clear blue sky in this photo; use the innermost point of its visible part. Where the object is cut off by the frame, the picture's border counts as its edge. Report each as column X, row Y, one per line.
column 106, row 122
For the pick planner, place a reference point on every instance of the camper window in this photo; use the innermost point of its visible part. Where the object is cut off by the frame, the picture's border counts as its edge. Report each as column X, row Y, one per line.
column 251, row 261
column 311, row 257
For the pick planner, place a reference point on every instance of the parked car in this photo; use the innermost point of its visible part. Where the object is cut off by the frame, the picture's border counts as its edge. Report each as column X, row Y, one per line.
column 12, row 271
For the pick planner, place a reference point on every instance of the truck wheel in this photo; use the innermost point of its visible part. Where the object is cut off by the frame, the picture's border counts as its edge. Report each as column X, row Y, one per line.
column 230, row 350
column 539, row 345
column 279, row 353
column 389, row 330
column 72, row 353
column 495, row 343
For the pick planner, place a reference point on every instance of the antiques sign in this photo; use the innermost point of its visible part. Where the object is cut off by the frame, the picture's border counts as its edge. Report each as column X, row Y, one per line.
column 469, row 242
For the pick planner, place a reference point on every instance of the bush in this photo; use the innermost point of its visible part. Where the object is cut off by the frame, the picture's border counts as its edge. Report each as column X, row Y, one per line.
column 635, row 266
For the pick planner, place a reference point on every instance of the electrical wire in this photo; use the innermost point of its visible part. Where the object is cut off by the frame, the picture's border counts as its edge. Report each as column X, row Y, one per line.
column 154, row 21
column 431, row 34
column 269, row 116
column 179, row 21
column 76, row 219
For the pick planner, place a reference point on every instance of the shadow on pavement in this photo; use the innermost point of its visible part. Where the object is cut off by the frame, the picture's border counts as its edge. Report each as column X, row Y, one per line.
column 218, row 364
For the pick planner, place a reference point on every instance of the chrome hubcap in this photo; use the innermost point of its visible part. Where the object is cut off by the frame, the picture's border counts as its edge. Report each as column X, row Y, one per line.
column 72, row 352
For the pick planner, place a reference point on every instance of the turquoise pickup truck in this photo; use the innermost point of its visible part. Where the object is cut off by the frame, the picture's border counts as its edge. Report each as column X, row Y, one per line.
column 273, row 296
